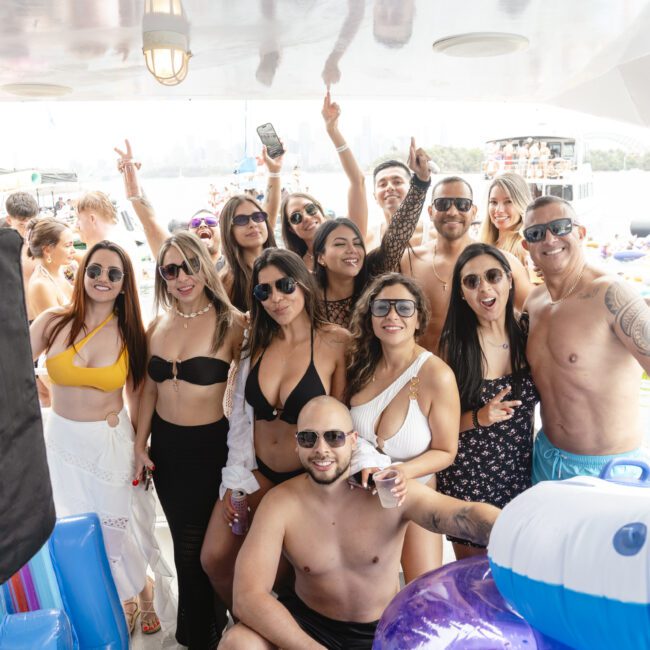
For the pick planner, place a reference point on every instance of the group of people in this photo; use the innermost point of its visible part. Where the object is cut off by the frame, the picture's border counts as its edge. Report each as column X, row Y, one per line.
column 295, row 374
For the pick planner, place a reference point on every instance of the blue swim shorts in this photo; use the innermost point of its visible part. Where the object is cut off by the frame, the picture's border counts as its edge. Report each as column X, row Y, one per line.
column 553, row 464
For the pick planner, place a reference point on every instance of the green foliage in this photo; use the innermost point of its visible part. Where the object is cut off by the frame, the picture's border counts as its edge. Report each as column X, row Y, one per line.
column 449, row 159
column 616, row 159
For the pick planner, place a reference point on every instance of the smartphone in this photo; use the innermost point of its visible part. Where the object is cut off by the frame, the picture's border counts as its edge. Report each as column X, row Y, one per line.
column 270, row 140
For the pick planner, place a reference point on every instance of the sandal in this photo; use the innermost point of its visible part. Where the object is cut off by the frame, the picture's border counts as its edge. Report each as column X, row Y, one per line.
column 149, row 621
column 131, row 612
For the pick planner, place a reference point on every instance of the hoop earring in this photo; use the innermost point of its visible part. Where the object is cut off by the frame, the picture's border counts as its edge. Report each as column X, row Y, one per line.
column 49, row 260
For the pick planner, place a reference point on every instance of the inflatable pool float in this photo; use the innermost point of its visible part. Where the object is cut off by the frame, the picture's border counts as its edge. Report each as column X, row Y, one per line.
column 456, row 607
column 629, row 256
column 573, row 557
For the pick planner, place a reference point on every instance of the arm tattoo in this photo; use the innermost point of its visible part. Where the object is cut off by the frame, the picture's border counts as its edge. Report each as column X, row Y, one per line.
column 463, row 524
column 631, row 314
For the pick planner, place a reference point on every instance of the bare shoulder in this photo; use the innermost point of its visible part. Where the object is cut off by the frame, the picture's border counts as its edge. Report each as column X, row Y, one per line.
column 417, row 255
column 437, row 375
column 47, row 318
column 514, row 261
column 619, row 295
column 335, row 336
column 536, row 299
column 285, row 496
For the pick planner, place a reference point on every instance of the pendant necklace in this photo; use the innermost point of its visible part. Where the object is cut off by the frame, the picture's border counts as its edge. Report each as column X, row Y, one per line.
column 571, row 290
column 433, row 263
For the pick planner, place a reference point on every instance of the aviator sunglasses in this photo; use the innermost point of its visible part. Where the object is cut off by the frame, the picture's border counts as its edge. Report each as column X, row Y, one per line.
column 296, row 217
column 472, row 281
column 558, row 227
column 171, row 271
column 380, row 307
column 443, row 204
column 204, row 217
column 263, row 291
column 243, row 219
column 334, row 438
column 94, row 271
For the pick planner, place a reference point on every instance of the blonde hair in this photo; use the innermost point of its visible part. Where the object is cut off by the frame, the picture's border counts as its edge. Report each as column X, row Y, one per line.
column 191, row 247
column 99, row 203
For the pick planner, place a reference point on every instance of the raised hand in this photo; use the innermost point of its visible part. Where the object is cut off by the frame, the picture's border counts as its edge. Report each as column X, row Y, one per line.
column 418, row 162
column 274, row 165
column 497, row 410
column 331, row 112
column 125, row 156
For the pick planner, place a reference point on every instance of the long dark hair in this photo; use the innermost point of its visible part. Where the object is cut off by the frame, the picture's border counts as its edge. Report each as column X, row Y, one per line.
column 291, row 240
column 323, row 232
column 364, row 351
column 191, row 247
column 459, row 342
column 127, row 308
column 263, row 328
column 232, row 251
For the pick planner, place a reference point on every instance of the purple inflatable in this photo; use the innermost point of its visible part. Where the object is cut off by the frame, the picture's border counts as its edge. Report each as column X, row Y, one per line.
column 456, row 607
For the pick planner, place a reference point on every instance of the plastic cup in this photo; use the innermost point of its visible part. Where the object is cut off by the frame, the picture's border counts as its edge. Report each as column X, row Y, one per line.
column 385, row 482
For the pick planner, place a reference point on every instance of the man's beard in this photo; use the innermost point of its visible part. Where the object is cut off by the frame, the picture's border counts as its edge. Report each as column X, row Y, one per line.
column 327, row 481
column 446, row 235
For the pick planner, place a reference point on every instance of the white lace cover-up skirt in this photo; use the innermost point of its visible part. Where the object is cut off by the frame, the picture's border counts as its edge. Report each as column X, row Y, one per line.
column 92, row 465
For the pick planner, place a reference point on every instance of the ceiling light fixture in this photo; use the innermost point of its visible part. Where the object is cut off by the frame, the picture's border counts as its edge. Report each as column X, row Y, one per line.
column 480, row 44
column 166, row 40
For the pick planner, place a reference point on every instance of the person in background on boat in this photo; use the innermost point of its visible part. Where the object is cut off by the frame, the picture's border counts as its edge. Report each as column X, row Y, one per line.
column 191, row 347
column 347, row 573
column 291, row 356
column 301, row 213
column 245, row 234
column 341, row 266
column 485, row 345
column 533, row 159
column 452, row 211
column 522, row 159
column 21, row 208
column 95, row 351
column 403, row 399
column 508, row 196
column 544, row 156
column 589, row 340
column 50, row 244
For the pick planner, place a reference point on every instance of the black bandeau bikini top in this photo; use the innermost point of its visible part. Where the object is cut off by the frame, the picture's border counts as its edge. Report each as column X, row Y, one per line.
column 203, row 371
column 308, row 387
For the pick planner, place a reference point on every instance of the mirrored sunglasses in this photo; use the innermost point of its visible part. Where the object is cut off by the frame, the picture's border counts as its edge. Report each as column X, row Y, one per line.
column 208, row 220
column 472, row 281
column 263, row 291
column 296, row 217
column 380, row 307
column 443, row 204
column 171, row 271
column 94, row 271
column 334, row 438
column 558, row 227
column 243, row 219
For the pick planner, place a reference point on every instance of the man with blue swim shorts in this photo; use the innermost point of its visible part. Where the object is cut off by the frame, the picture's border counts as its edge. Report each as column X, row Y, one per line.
column 589, row 341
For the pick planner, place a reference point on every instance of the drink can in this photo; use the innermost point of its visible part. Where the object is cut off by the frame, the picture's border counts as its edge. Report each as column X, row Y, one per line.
column 131, row 184
column 239, row 501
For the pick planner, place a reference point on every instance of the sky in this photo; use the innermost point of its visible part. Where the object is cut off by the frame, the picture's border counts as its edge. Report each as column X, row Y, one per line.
column 81, row 135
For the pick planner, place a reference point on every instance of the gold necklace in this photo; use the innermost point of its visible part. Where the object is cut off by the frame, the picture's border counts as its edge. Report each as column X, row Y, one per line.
column 433, row 263
column 571, row 290
column 194, row 314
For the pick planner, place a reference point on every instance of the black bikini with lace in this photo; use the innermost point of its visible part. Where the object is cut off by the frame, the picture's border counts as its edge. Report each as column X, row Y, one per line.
column 203, row 371
column 308, row 387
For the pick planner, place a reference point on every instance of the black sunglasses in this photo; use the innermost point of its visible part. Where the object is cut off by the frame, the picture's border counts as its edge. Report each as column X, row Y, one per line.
column 559, row 227
column 263, row 291
column 334, row 438
column 93, row 271
column 296, row 217
column 380, row 307
column 171, row 271
column 243, row 219
column 443, row 204
column 472, row 281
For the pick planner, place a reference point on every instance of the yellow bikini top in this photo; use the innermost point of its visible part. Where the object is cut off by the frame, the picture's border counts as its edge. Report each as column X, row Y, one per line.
column 63, row 372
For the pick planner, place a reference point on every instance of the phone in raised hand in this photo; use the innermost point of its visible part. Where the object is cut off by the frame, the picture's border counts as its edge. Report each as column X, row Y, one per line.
column 270, row 140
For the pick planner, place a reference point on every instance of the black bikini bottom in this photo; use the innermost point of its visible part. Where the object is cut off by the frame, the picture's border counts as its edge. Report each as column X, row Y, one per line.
column 276, row 477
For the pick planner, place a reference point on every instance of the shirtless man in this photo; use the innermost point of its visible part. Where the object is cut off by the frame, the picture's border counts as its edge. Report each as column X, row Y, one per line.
column 345, row 548
column 589, row 338
column 452, row 211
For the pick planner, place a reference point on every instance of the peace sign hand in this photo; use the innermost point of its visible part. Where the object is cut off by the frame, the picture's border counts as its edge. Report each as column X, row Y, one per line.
column 497, row 410
column 125, row 156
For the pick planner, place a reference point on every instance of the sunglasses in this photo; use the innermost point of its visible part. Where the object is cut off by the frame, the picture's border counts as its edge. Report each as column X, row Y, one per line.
column 243, row 219
column 212, row 221
column 462, row 205
column 334, row 438
column 380, row 307
column 263, row 291
column 171, row 271
column 472, row 281
column 93, row 271
column 559, row 228
column 296, row 217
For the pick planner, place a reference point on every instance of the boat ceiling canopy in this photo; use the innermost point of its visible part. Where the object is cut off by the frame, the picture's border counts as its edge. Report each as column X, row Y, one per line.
column 588, row 55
